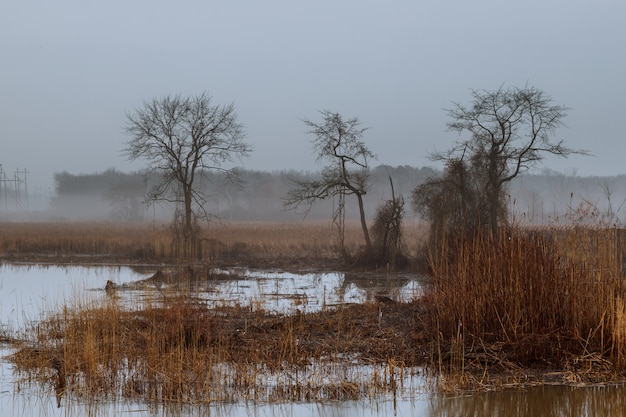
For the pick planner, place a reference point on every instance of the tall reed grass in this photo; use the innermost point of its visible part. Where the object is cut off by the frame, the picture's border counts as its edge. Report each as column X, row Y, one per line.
column 551, row 299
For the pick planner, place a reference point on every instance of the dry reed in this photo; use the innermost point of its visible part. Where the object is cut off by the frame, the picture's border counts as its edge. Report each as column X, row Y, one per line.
column 290, row 244
column 58, row 242
column 184, row 352
column 503, row 309
column 544, row 300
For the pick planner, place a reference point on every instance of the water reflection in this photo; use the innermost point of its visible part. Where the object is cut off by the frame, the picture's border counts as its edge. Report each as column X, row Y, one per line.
column 28, row 292
column 280, row 292
column 547, row 401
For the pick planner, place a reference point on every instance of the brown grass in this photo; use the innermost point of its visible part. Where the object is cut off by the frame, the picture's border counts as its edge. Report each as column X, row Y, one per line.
column 550, row 300
column 289, row 244
column 518, row 307
column 184, row 352
column 59, row 242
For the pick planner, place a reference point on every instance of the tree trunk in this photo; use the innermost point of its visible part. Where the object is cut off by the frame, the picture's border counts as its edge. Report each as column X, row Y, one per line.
column 493, row 191
column 366, row 235
column 188, row 225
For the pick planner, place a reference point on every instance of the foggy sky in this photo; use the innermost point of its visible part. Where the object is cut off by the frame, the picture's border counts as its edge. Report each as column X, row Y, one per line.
column 70, row 70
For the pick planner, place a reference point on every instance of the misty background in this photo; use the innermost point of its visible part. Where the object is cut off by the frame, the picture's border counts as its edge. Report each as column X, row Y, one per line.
column 545, row 198
column 71, row 70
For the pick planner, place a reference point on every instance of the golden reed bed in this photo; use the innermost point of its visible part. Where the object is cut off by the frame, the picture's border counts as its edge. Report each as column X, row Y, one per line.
column 224, row 242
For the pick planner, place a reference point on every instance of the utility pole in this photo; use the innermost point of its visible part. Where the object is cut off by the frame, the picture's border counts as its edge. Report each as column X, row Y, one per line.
column 17, row 186
column 21, row 177
column 3, row 181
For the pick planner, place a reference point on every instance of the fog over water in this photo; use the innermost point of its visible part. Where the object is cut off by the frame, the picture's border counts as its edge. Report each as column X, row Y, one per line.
column 71, row 70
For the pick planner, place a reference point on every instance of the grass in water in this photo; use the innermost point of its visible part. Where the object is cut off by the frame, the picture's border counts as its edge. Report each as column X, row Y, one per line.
column 185, row 352
column 517, row 307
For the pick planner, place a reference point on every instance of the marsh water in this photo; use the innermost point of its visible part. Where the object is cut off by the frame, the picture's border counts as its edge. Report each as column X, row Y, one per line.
column 30, row 292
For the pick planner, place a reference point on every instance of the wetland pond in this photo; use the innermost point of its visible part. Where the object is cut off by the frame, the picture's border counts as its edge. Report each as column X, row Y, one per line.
column 29, row 293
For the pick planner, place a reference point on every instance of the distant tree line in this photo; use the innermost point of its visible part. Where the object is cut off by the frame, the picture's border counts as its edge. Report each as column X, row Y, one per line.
column 110, row 194
column 257, row 195
column 538, row 198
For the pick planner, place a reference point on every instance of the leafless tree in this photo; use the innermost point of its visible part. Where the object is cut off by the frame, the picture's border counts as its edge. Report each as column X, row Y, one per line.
column 180, row 137
column 510, row 130
column 339, row 143
column 612, row 213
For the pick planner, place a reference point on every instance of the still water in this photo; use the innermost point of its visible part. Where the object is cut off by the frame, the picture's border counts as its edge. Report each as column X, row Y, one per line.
column 29, row 292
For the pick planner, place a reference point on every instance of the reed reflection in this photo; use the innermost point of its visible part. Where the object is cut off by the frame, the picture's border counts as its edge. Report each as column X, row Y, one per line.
column 546, row 401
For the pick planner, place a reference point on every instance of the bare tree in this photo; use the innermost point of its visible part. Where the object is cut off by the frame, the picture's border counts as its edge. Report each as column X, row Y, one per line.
column 510, row 131
column 612, row 213
column 339, row 143
column 180, row 137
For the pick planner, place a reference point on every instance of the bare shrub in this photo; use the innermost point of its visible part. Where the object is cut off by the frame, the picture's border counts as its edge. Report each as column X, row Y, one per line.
column 387, row 233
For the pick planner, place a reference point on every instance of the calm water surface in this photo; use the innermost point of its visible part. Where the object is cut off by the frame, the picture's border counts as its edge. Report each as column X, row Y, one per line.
column 27, row 293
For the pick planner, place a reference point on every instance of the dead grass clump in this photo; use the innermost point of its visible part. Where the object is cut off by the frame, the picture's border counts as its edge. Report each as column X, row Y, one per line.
column 184, row 352
column 550, row 300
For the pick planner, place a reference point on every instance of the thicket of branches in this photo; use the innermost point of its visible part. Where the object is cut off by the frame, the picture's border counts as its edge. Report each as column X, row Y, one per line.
column 509, row 131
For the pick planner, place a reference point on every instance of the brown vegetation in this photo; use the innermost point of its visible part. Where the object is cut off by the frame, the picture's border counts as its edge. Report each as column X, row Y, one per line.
column 520, row 306
column 91, row 242
column 291, row 245
column 549, row 301
column 184, row 352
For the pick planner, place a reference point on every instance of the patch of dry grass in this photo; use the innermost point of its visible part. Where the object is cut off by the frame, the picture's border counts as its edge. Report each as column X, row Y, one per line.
column 289, row 244
column 59, row 241
column 184, row 352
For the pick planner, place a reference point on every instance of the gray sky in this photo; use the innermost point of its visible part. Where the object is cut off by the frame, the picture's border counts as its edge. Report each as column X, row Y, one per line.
column 70, row 70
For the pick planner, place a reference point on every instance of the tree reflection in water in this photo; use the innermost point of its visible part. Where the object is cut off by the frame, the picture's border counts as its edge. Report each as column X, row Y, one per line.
column 546, row 401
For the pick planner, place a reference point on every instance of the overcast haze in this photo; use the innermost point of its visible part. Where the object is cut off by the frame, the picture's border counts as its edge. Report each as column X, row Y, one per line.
column 70, row 70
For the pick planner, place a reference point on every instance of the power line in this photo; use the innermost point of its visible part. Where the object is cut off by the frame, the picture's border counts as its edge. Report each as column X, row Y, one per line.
column 14, row 188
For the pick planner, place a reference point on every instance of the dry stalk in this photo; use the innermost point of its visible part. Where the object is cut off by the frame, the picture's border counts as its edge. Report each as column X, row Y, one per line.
column 185, row 352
